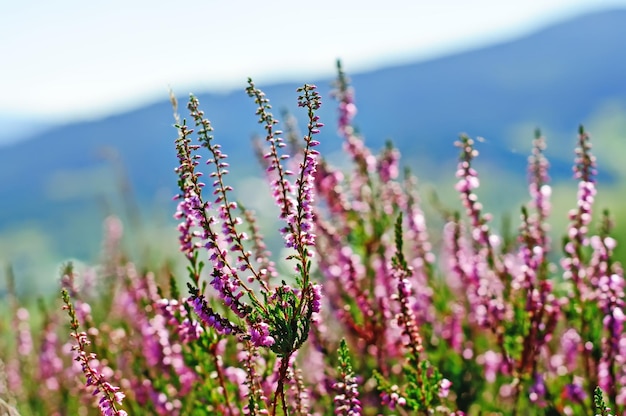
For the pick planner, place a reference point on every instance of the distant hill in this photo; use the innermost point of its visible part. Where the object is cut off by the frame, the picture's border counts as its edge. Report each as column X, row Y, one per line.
column 556, row 78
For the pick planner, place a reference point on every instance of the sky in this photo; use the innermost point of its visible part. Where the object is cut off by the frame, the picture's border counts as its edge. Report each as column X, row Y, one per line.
column 67, row 60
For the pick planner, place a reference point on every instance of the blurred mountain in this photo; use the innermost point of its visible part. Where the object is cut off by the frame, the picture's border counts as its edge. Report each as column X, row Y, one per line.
column 64, row 179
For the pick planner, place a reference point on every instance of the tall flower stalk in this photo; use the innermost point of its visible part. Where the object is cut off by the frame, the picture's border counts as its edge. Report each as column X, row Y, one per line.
column 110, row 397
column 256, row 307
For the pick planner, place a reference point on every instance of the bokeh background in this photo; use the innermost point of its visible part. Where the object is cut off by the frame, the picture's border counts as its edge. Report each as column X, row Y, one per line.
column 86, row 125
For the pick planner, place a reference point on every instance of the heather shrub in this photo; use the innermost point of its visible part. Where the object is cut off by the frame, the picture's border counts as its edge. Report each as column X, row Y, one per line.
column 367, row 313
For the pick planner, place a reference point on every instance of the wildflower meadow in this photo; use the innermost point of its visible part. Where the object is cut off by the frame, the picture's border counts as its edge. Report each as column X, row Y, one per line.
column 370, row 312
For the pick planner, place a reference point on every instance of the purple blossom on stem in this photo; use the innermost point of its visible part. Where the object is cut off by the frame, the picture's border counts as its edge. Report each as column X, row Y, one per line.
column 176, row 315
column 266, row 267
column 406, row 317
column 315, row 297
column 260, row 322
column 353, row 144
column 540, row 192
column 580, row 218
column 24, row 336
column 574, row 391
column 281, row 187
column 468, row 182
column 388, row 164
column 229, row 221
column 577, row 238
column 344, row 93
column 225, row 208
column 299, row 394
column 198, row 225
column 483, row 273
column 416, row 226
column 346, row 399
column 607, row 280
column 444, row 388
column 110, row 397
column 452, row 328
column 300, row 221
column 481, row 286
column 530, row 275
column 209, row 317
column 260, row 335
column 50, row 364
column 620, row 363
column 228, row 290
column 393, row 398
column 423, row 258
column 537, row 391
column 570, row 343
column 191, row 209
column 328, row 184
column 295, row 204
column 344, row 271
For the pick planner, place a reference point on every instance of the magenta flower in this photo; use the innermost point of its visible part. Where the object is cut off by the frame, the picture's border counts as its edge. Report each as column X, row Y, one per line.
column 260, row 335
column 444, row 388
column 393, row 399
column 211, row 318
column 316, row 297
column 347, row 401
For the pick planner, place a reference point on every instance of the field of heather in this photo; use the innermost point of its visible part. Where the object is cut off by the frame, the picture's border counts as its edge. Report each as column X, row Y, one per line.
column 365, row 311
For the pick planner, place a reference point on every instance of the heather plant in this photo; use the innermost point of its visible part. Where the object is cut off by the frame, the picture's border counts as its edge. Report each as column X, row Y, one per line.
column 368, row 312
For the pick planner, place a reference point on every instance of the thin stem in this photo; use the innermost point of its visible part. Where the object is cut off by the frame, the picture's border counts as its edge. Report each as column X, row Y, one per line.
column 220, row 377
column 280, row 388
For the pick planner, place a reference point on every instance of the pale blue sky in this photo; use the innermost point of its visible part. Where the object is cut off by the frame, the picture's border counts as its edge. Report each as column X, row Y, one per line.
column 72, row 59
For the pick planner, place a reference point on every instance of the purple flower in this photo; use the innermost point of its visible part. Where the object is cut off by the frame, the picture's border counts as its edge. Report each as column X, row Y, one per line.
column 492, row 362
column 388, row 164
column 211, row 318
column 50, row 364
column 24, row 337
column 444, row 388
column 537, row 391
column 316, row 297
column 347, row 110
column 260, row 335
column 393, row 398
column 571, row 343
column 346, row 400
column 540, row 193
column 575, row 390
column 580, row 218
column 110, row 396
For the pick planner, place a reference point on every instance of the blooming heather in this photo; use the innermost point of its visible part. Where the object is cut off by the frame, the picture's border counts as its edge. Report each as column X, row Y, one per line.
column 251, row 306
column 580, row 218
column 346, row 399
column 109, row 397
column 358, row 317
column 540, row 192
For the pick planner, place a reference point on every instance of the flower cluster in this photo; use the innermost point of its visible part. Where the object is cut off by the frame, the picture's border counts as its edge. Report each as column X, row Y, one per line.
column 251, row 306
column 370, row 311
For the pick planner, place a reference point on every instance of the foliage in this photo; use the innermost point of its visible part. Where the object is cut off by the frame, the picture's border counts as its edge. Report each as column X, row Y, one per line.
column 366, row 313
